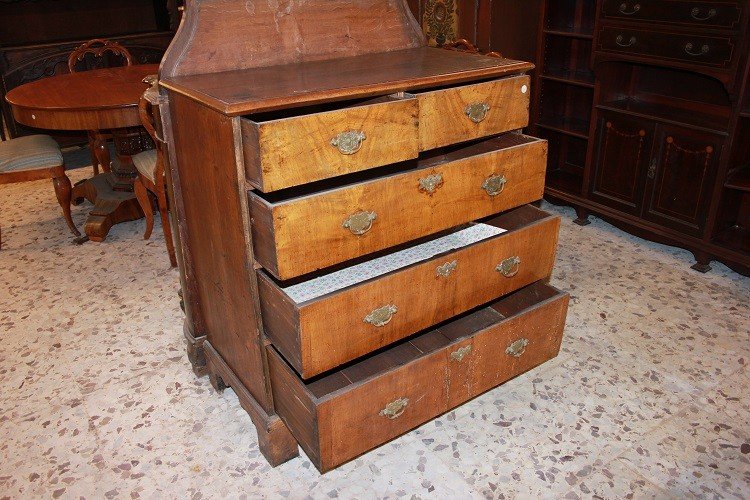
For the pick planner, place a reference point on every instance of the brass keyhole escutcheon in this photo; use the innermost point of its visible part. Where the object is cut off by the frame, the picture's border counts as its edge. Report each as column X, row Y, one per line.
column 359, row 223
column 349, row 142
column 394, row 409
column 381, row 316
column 509, row 267
column 431, row 183
column 517, row 348
column 494, row 185
column 446, row 269
column 477, row 111
column 460, row 354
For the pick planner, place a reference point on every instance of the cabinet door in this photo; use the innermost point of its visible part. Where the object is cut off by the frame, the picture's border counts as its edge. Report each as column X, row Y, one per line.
column 624, row 148
column 681, row 178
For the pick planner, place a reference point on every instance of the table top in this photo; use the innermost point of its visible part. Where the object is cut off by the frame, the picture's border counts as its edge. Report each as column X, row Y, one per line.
column 275, row 87
column 89, row 100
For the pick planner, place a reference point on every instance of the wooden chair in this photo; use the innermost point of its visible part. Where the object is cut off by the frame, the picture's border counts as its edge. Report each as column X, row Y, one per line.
column 150, row 166
column 81, row 60
column 37, row 157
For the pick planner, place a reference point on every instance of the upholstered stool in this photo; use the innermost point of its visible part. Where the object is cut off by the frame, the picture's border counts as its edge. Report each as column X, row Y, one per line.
column 33, row 158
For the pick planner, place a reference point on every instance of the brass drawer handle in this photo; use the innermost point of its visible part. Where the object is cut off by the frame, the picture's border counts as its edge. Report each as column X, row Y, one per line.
column 460, row 353
column 620, row 40
column 624, row 9
column 349, row 142
column 446, row 269
column 695, row 14
column 381, row 316
column 359, row 223
column 689, row 50
column 509, row 267
column 477, row 111
column 495, row 184
column 517, row 348
column 431, row 183
column 394, row 409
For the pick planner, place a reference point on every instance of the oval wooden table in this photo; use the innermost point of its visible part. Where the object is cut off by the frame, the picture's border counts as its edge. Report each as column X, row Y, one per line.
column 103, row 99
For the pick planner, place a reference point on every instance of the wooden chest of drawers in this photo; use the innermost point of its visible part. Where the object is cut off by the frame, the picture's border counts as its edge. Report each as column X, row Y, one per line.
column 354, row 223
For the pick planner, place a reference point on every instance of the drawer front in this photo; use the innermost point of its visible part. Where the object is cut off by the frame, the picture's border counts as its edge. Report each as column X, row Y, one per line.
column 716, row 52
column 292, row 151
column 460, row 114
column 444, row 368
column 709, row 14
column 473, row 183
column 323, row 333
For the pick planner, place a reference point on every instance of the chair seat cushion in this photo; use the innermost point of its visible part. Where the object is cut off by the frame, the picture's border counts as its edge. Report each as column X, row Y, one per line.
column 145, row 162
column 29, row 153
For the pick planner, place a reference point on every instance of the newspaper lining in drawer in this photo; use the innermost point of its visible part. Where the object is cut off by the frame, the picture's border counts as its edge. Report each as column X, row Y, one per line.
column 322, row 285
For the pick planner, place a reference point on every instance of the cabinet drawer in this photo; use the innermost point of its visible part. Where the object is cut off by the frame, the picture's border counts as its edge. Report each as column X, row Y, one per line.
column 711, row 51
column 350, row 411
column 458, row 114
column 423, row 198
column 709, row 14
column 281, row 151
column 322, row 323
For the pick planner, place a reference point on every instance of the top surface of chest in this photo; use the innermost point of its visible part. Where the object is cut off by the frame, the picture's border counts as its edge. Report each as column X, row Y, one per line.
column 297, row 84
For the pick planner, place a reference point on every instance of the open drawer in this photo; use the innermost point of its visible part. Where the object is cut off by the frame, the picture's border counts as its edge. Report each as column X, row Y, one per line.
column 339, row 416
column 321, row 323
column 283, row 148
column 457, row 114
column 422, row 197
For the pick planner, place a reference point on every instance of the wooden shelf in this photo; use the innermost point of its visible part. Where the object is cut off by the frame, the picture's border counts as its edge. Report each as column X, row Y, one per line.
column 574, row 127
column 669, row 114
column 570, row 34
column 577, row 78
column 735, row 238
column 739, row 179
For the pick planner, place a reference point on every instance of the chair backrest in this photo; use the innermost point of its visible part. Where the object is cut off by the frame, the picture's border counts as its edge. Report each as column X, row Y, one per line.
column 147, row 105
column 93, row 55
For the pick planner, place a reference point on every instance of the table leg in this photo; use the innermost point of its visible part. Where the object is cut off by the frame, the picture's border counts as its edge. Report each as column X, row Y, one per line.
column 112, row 192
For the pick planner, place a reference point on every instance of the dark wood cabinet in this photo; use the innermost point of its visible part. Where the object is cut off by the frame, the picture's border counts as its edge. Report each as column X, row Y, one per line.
column 646, row 106
column 680, row 178
column 622, row 162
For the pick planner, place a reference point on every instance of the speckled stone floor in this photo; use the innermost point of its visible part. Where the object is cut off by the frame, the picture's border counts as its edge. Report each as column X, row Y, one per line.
column 650, row 396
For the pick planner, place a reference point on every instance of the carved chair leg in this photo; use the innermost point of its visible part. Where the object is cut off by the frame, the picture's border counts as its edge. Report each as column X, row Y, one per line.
column 64, row 191
column 144, row 200
column 161, row 197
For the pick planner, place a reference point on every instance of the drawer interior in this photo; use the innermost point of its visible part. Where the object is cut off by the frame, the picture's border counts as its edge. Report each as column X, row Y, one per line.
column 422, row 344
column 317, row 285
column 428, row 159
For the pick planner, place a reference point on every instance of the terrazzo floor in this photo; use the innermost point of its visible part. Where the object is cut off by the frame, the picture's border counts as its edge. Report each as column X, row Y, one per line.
column 649, row 397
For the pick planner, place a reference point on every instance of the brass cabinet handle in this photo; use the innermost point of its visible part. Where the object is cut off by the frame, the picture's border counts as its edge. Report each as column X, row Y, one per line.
column 624, row 9
column 359, row 223
column 495, row 184
column 620, row 40
column 349, row 142
column 431, row 183
column 446, row 269
column 477, row 111
column 509, row 267
column 460, row 354
column 394, row 409
column 695, row 14
column 517, row 348
column 381, row 316
column 703, row 51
